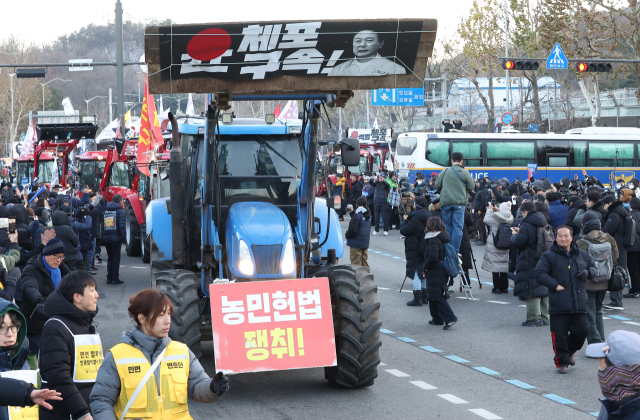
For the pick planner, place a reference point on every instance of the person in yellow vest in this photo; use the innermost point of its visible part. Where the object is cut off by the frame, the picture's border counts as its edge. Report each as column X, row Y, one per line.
column 148, row 375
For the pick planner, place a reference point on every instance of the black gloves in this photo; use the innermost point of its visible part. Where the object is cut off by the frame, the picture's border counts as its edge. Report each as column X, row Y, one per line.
column 39, row 309
column 219, row 384
column 583, row 275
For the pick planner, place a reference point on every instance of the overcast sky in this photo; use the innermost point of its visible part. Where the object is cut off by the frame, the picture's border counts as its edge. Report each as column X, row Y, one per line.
column 42, row 21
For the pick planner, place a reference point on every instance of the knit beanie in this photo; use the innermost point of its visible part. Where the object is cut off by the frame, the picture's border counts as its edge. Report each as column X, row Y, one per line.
column 54, row 246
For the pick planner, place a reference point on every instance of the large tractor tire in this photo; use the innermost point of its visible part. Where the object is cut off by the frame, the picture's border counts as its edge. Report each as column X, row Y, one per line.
column 146, row 245
column 181, row 286
column 356, row 324
column 133, row 232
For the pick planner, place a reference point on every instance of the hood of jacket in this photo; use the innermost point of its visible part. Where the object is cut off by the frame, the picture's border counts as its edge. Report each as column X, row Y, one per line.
column 536, row 218
column 502, row 217
column 18, row 212
column 56, row 304
column 443, row 236
column 59, row 218
column 6, row 306
column 150, row 346
column 114, row 206
column 617, row 207
column 597, row 206
column 595, row 236
column 422, row 215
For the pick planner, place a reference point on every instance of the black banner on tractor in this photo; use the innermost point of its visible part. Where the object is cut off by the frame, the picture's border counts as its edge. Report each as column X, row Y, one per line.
column 272, row 57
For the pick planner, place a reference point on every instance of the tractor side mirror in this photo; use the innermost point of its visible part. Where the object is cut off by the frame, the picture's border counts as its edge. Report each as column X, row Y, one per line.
column 350, row 152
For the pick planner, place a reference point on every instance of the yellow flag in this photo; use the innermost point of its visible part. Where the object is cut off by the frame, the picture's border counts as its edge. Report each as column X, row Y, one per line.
column 127, row 118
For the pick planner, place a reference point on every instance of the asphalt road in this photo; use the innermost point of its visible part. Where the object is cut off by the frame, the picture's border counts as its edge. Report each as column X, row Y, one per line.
column 487, row 366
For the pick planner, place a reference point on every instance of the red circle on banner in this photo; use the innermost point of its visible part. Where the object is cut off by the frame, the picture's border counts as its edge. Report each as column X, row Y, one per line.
column 354, row 135
column 209, row 44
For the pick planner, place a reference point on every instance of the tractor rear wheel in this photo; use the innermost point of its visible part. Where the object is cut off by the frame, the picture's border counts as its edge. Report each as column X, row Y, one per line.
column 146, row 245
column 181, row 286
column 133, row 232
column 356, row 324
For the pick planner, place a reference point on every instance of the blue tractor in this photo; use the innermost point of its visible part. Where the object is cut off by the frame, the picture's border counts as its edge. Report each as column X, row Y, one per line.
column 242, row 207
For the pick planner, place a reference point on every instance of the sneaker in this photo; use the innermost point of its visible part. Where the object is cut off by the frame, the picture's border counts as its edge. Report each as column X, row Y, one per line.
column 99, row 258
column 432, row 322
column 537, row 323
column 632, row 295
column 563, row 369
column 613, row 307
column 375, row 233
column 481, row 243
column 449, row 325
column 572, row 360
column 496, row 291
column 385, row 233
column 117, row 281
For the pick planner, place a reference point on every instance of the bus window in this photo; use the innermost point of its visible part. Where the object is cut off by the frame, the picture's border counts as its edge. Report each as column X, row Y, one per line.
column 603, row 154
column 471, row 150
column 559, row 161
column 438, row 152
column 510, row 153
column 580, row 153
column 406, row 145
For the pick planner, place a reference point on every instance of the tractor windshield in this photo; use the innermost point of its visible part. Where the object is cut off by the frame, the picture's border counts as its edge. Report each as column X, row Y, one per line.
column 24, row 173
column 91, row 173
column 120, row 175
column 45, row 171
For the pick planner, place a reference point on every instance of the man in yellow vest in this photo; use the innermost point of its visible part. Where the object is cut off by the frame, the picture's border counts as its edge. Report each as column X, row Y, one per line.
column 148, row 375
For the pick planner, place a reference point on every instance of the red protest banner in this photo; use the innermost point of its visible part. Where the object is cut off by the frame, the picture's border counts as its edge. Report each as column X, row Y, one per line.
column 272, row 325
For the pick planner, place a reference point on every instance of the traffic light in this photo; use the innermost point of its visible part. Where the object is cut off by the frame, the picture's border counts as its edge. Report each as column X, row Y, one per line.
column 594, row 67
column 520, row 65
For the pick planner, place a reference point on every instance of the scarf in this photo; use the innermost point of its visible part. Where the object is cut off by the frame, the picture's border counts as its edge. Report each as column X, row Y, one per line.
column 361, row 210
column 619, row 382
column 55, row 273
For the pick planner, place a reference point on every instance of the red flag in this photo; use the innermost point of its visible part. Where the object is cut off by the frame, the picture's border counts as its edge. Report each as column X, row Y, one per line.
column 118, row 134
column 277, row 111
column 144, row 141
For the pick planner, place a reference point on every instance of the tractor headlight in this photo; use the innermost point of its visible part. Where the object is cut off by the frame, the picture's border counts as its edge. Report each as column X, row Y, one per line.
column 246, row 264
column 288, row 259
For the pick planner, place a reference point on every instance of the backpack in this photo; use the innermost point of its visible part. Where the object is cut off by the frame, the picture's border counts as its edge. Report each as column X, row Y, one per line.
column 451, row 263
column 502, row 237
column 602, row 257
column 544, row 240
column 629, row 231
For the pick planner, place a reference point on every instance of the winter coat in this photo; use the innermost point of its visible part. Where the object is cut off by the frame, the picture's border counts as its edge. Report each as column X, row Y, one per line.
column 15, row 392
column 413, row 231
column 355, row 192
column 116, row 233
column 598, row 237
column 107, row 387
column 36, row 287
column 465, row 244
column 556, row 267
column 11, row 260
column 495, row 260
column 571, row 215
column 635, row 214
column 613, row 224
column 525, row 241
column 83, row 227
column 19, row 212
column 36, row 228
column 481, row 199
column 627, row 409
column 437, row 278
column 454, row 189
column 359, row 231
column 557, row 214
column 57, row 357
column 65, row 233
column 96, row 219
column 381, row 191
column 14, row 358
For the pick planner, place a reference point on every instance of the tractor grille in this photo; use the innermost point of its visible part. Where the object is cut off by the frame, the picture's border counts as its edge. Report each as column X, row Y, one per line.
column 267, row 258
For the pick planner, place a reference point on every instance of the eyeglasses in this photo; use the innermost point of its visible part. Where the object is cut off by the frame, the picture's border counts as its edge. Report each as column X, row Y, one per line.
column 57, row 257
column 13, row 328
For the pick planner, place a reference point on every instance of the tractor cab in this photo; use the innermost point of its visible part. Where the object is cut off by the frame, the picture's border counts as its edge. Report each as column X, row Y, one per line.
column 91, row 168
column 25, row 168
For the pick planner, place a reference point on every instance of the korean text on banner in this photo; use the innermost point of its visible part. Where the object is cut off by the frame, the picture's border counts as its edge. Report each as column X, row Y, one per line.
column 272, row 325
column 22, row 413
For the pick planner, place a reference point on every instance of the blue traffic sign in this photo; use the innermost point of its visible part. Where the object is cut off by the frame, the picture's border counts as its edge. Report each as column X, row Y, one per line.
column 557, row 59
column 400, row 96
column 507, row 118
column 533, row 128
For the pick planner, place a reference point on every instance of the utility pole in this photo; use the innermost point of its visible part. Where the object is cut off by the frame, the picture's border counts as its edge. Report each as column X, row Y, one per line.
column 339, row 123
column 120, row 71
column 367, row 93
column 506, row 53
column 110, row 107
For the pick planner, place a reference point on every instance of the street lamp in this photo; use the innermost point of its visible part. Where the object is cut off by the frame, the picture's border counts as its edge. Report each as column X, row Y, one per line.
column 44, row 84
column 89, row 100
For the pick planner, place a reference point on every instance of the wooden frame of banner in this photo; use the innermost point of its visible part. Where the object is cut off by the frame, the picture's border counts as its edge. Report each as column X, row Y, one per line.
column 289, row 84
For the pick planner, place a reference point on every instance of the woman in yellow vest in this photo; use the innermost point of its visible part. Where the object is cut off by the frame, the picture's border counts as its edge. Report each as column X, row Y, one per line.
column 148, row 375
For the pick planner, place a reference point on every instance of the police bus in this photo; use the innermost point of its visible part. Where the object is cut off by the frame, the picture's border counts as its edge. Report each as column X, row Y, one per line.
column 601, row 151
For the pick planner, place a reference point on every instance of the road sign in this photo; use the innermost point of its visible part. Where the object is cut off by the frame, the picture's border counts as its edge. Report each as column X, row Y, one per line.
column 557, row 59
column 80, row 64
column 400, row 96
column 533, row 128
column 383, row 97
column 507, row 118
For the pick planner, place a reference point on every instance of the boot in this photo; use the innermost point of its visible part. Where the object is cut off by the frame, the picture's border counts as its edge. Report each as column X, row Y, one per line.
column 417, row 298
column 424, row 296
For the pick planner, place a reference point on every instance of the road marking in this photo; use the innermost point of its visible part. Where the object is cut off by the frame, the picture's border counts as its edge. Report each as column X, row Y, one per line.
column 630, row 322
column 605, row 317
column 522, row 306
column 431, row 349
column 452, row 399
column 464, row 297
column 386, row 255
column 396, row 372
column 621, row 318
column 423, row 385
column 485, row 414
column 456, row 359
column 595, row 414
column 139, row 267
column 408, row 291
column 498, row 301
column 406, row 339
column 486, row 370
column 383, row 331
column 383, row 288
column 397, row 258
column 557, row 398
column 520, row 384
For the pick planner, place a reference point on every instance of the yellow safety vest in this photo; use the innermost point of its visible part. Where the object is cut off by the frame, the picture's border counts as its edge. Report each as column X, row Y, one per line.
column 174, row 377
column 21, row 413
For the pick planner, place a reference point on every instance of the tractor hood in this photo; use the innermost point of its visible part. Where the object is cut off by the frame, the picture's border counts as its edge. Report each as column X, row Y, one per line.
column 265, row 230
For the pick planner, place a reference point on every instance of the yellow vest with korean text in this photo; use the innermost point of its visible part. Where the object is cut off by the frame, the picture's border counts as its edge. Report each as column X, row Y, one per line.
column 174, row 377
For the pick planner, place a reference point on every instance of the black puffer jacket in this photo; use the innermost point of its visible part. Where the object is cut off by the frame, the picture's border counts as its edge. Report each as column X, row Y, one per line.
column 556, row 267
column 36, row 286
column 525, row 242
column 96, row 219
column 355, row 192
column 381, row 192
column 571, row 215
column 19, row 212
column 359, row 231
column 613, row 224
column 437, row 278
column 114, row 223
column 481, row 199
column 57, row 357
column 65, row 233
column 413, row 231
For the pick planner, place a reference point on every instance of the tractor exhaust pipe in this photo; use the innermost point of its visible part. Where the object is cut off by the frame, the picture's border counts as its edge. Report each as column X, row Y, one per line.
column 176, row 187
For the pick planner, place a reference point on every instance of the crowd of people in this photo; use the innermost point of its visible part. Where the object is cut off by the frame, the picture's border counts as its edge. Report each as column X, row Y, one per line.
column 564, row 245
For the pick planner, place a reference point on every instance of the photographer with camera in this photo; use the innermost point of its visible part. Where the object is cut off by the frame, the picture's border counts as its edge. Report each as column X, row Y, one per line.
column 594, row 204
column 420, row 187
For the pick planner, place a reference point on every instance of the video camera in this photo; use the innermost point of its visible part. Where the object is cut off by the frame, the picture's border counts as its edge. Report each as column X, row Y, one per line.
column 564, row 194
